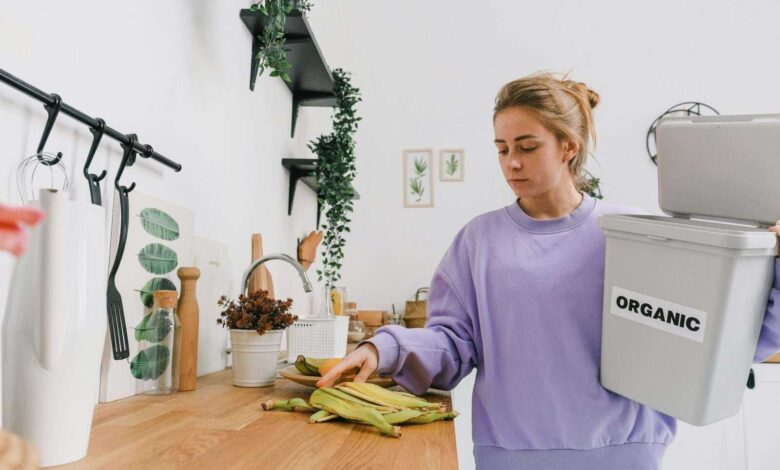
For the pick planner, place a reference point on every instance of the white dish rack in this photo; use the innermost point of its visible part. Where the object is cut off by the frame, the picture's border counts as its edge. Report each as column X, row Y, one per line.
column 317, row 337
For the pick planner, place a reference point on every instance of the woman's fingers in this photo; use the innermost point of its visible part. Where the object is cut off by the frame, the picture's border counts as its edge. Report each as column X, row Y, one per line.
column 27, row 215
column 365, row 372
column 349, row 362
column 12, row 238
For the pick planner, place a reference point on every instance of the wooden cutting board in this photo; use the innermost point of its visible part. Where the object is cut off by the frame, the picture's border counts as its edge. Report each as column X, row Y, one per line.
column 261, row 278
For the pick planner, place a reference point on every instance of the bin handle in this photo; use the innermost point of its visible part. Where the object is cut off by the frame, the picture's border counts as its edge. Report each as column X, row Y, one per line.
column 420, row 290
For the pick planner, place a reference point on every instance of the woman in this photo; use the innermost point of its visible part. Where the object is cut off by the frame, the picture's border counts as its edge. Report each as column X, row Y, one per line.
column 12, row 237
column 518, row 295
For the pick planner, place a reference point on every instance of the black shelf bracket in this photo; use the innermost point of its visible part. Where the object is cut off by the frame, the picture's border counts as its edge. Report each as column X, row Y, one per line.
column 305, row 170
column 311, row 82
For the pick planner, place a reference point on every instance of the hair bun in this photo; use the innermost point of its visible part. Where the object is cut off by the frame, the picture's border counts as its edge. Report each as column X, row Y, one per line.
column 592, row 97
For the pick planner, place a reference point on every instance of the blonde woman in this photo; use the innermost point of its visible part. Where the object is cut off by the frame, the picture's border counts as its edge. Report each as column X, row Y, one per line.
column 518, row 296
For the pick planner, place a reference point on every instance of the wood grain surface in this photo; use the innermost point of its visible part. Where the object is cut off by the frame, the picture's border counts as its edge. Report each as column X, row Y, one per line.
column 219, row 426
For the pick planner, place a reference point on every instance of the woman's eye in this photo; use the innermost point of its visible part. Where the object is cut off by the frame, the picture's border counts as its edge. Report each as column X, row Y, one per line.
column 502, row 152
column 528, row 149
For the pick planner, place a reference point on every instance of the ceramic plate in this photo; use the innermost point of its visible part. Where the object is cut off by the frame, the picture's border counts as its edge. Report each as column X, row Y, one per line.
column 291, row 373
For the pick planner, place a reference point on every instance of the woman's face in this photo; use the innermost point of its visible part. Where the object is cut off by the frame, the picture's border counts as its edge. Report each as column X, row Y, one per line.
column 532, row 159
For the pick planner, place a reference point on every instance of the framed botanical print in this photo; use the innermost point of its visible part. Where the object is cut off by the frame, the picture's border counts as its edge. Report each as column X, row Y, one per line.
column 451, row 164
column 418, row 177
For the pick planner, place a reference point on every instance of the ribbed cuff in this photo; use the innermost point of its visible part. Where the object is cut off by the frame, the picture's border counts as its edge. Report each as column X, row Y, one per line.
column 387, row 347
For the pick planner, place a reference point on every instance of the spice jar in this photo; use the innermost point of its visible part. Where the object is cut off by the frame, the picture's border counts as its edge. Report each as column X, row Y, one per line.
column 351, row 311
column 156, row 364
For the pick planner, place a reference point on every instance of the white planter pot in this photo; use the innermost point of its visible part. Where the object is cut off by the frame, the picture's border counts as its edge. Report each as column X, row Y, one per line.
column 255, row 357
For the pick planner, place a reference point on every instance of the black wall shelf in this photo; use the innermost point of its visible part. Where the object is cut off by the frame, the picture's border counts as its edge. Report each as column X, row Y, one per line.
column 304, row 169
column 312, row 83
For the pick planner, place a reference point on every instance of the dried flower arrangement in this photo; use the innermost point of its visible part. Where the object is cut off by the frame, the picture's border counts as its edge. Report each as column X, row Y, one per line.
column 256, row 311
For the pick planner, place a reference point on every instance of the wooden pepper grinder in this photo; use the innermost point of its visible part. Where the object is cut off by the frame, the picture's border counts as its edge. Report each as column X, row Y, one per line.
column 188, row 316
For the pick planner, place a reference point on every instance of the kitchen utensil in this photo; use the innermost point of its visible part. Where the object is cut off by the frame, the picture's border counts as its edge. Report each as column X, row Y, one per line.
column 416, row 310
column 307, row 249
column 116, row 313
column 262, row 278
column 188, row 316
column 25, row 182
column 291, row 373
column 54, row 330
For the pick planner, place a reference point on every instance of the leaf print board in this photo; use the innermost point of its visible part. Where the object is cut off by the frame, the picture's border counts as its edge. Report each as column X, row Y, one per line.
column 451, row 164
column 418, row 177
column 159, row 241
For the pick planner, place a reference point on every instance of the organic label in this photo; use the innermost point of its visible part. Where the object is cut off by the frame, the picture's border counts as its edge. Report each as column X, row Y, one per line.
column 658, row 313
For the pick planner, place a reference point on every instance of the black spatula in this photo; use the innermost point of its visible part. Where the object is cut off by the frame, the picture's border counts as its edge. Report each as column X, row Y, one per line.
column 116, row 314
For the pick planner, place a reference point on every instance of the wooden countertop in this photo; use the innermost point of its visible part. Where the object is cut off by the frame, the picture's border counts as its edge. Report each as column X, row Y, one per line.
column 222, row 426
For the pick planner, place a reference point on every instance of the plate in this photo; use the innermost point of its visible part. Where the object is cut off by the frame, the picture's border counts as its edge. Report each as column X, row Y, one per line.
column 291, row 373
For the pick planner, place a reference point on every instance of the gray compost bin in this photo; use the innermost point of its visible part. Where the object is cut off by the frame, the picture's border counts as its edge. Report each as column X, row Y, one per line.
column 685, row 295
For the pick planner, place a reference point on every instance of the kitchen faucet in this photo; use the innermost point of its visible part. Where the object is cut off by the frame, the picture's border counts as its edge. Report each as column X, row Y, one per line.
column 280, row 256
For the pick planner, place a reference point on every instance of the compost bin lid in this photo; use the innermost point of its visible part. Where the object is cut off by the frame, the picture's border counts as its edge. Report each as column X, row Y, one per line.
column 724, row 235
column 724, row 167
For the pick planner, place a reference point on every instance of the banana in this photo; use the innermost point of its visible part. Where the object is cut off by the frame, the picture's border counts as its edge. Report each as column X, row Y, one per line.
column 308, row 365
column 345, row 409
column 293, row 404
column 381, row 396
column 403, row 416
column 432, row 416
column 321, row 416
column 357, row 401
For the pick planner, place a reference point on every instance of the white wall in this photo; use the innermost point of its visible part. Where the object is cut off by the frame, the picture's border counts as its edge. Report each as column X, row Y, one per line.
column 429, row 72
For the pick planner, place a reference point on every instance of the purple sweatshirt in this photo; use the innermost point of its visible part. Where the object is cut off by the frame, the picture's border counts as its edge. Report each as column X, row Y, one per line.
column 521, row 300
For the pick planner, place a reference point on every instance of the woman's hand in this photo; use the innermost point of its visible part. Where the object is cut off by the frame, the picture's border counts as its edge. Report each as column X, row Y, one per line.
column 12, row 237
column 365, row 357
column 776, row 228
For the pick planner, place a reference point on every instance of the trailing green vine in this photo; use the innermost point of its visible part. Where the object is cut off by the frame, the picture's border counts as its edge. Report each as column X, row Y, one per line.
column 335, row 172
column 272, row 54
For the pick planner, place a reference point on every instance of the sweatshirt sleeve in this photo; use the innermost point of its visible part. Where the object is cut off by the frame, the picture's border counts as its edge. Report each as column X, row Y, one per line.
column 769, row 339
column 440, row 354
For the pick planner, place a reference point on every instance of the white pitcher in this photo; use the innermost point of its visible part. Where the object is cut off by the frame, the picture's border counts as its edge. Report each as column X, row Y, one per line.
column 54, row 329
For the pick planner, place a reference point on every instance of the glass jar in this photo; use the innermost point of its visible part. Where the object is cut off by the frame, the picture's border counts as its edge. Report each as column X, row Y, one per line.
column 351, row 311
column 338, row 295
column 156, row 366
column 356, row 332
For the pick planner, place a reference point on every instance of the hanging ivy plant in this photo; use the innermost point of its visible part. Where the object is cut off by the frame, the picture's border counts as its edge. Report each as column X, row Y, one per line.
column 272, row 54
column 335, row 172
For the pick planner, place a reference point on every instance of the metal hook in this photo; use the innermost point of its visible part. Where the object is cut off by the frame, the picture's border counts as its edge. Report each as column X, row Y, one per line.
column 97, row 134
column 128, row 158
column 52, row 110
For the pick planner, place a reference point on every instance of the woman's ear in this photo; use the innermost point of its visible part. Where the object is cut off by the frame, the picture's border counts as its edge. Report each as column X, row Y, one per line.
column 570, row 149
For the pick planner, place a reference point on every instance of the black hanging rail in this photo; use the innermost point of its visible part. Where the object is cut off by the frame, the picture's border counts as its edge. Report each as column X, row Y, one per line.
column 48, row 100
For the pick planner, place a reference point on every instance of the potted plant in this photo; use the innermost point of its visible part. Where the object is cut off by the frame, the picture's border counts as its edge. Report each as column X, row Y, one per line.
column 272, row 54
column 256, row 323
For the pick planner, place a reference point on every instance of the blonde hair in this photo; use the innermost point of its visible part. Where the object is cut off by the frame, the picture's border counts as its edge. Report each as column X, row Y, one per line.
column 563, row 106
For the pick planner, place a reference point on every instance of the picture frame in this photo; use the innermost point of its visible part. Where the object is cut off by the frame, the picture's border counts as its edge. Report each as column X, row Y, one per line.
column 418, row 177
column 451, row 164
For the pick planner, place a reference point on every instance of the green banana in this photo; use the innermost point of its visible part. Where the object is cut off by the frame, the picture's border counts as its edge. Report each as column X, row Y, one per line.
column 381, row 396
column 308, row 365
column 293, row 404
column 321, row 416
column 403, row 416
column 345, row 409
column 432, row 416
column 357, row 401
